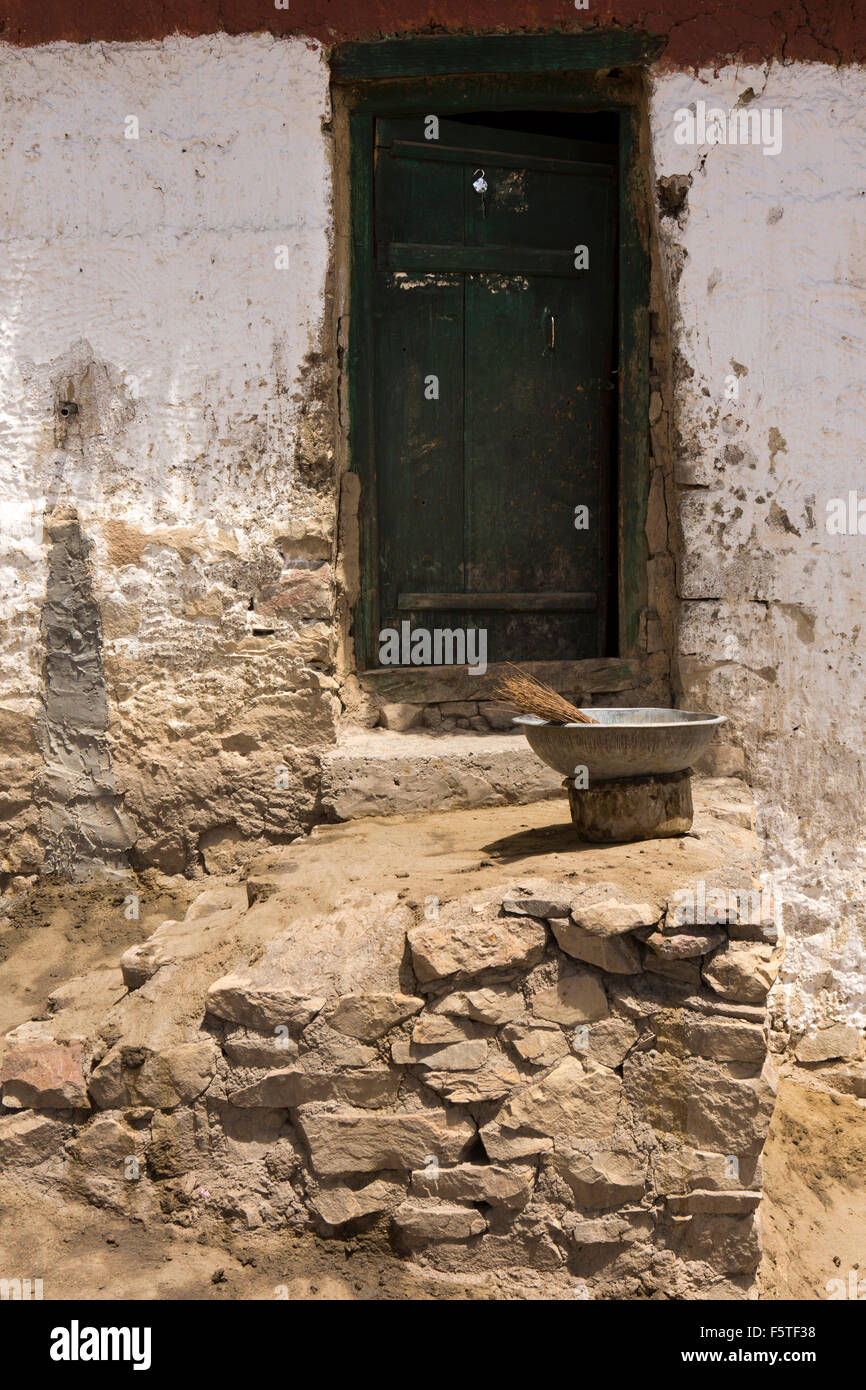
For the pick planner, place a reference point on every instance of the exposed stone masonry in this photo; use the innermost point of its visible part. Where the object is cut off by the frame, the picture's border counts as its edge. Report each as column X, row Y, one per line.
column 561, row 1078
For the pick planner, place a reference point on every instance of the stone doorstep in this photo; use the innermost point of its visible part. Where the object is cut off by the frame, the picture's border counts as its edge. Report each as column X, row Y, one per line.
column 377, row 772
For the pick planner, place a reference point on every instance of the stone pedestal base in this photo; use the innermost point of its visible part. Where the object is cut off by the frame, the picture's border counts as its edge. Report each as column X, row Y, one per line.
column 632, row 808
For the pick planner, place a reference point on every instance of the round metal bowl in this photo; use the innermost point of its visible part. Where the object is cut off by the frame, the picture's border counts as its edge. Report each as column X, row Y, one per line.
column 624, row 743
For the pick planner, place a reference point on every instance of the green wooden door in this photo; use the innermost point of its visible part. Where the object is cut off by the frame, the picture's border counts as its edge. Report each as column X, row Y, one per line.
column 494, row 395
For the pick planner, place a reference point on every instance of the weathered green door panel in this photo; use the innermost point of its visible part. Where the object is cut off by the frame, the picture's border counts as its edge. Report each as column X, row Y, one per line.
column 535, row 208
column 413, row 196
column 425, row 194
column 493, row 381
column 537, row 440
column 417, row 427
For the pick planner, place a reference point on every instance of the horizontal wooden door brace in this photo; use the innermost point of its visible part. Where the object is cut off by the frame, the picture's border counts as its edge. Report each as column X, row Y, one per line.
column 452, row 54
column 516, row 260
column 509, row 603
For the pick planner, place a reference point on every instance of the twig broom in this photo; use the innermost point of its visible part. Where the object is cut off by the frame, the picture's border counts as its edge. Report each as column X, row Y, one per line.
column 532, row 696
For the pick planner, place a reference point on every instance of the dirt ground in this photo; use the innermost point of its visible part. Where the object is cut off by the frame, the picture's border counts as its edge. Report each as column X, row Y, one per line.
column 100, row 1256
column 58, row 930
column 814, row 1212
column 814, row 1208
column 61, row 930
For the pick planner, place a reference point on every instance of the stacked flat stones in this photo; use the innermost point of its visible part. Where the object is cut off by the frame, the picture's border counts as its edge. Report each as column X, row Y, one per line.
column 572, row 1081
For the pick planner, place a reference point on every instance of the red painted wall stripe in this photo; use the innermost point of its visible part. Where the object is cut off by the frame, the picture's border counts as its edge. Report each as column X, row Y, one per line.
column 698, row 33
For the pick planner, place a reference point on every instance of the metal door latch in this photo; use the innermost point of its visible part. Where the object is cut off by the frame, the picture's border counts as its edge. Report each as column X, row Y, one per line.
column 479, row 183
column 550, row 322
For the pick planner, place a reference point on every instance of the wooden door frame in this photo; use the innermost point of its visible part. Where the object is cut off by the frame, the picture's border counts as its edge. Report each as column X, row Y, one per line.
column 561, row 72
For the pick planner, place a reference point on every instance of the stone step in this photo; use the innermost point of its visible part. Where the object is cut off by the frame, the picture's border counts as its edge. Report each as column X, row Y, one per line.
column 381, row 772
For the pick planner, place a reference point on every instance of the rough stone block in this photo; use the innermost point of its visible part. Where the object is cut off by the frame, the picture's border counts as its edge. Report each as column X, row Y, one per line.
column 704, row 1103
column 604, row 910
column 684, row 973
column 568, row 1104
column 256, row 1005
column 724, row 1039
column 681, row 1169
column 614, row 1229
column 303, row 593
column 399, row 716
column 468, row 1055
column 384, row 773
column 40, row 1074
column 509, row 1188
column 417, row 1223
column 335, row 1206
column 827, row 1044
column 243, row 1049
column 606, row 1042
column 493, row 1005
column 104, row 1145
column 28, row 1138
column 578, row 997
column 496, row 715
column 459, row 949
column 141, row 962
column 370, row 1016
column 541, row 1045
column 292, row 1087
column 358, row 1141
column 535, row 905
column 685, row 945
column 743, row 971
column 497, row 1078
column 503, row 1145
column 606, row 1178
column 616, row 954
column 713, row 1203
column 730, row 1244
column 252, row 1134
column 436, row 1029
column 136, row 1076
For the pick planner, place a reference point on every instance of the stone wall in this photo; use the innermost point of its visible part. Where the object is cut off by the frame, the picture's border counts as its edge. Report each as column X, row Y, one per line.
column 764, row 409
column 163, row 388
column 567, row 1081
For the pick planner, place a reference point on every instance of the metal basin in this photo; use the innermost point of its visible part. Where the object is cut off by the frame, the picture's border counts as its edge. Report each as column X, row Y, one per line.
column 624, row 743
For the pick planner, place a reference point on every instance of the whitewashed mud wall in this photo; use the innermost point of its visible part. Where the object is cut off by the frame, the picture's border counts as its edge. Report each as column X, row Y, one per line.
column 766, row 265
column 172, row 287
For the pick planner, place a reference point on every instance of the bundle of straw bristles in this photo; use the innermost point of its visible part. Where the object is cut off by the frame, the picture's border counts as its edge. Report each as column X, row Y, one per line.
column 531, row 696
